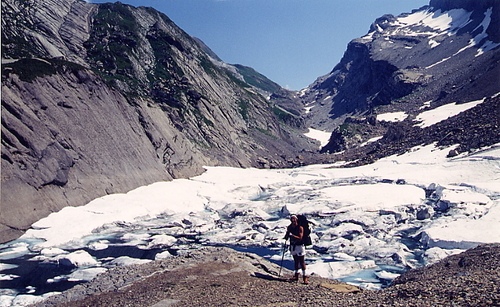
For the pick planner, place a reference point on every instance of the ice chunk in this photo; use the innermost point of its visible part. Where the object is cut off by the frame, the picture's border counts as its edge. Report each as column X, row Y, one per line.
column 86, row 274
column 336, row 270
column 162, row 240
column 52, row 251
column 8, row 276
column 163, row 255
column 136, row 238
column 26, row 299
column 435, row 254
column 7, row 266
column 126, row 260
column 465, row 233
column 386, row 275
column 374, row 196
column 99, row 245
column 343, row 257
column 14, row 250
column 464, row 195
column 6, row 300
column 77, row 259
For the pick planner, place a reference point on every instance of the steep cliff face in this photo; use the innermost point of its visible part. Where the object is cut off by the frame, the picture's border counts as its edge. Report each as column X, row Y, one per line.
column 447, row 51
column 100, row 99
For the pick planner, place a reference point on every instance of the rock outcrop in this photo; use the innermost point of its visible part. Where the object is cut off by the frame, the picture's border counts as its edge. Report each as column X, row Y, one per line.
column 470, row 130
column 103, row 98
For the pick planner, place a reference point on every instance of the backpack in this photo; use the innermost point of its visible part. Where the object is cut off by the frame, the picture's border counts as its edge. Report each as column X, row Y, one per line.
column 307, row 230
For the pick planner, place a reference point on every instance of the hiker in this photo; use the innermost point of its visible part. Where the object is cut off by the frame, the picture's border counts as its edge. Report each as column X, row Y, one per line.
column 296, row 234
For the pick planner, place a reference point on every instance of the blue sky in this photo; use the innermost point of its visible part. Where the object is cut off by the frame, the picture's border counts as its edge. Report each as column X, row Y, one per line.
column 292, row 42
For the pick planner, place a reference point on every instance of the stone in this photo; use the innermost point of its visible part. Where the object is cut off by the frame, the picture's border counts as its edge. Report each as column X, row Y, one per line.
column 343, row 288
column 424, row 213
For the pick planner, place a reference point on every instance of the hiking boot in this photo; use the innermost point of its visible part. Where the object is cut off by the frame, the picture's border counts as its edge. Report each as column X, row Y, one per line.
column 295, row 277
column 306, row 280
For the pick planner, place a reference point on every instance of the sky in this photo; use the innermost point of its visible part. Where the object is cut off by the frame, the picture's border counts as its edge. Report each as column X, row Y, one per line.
column 292, row 42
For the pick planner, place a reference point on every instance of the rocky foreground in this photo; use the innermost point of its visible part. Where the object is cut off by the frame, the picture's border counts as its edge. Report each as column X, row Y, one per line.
column 217, row 276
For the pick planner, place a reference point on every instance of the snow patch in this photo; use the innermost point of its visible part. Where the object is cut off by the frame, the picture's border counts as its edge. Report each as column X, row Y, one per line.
column 426, row 104
column 487, row 45
column 434, row 116
column 374, row 139
column 322, row 136
column 392, row 117
column 433, row 43
column 451, row 20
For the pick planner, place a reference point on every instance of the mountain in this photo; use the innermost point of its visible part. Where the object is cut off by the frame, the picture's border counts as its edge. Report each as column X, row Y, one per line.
column 446, row 52
column 259, row 82
column 103, row 98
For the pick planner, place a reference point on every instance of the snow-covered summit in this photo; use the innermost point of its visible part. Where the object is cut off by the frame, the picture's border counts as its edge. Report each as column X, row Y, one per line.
column 435, row 26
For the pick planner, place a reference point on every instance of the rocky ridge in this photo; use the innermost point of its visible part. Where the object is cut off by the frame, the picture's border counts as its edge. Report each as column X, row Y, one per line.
column 223, row 277
column 104, row 98
column 473, row 129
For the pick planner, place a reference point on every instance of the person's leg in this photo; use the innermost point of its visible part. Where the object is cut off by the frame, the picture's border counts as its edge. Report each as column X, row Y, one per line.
column 302, row 262
column 296, row 263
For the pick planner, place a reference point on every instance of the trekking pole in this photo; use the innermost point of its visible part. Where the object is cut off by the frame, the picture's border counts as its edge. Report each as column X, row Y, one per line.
column 282, row 257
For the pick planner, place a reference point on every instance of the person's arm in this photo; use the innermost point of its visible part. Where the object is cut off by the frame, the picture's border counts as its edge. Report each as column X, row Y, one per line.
column 287, row 234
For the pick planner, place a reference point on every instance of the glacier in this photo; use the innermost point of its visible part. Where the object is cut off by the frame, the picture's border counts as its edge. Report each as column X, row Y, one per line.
column 370, row 223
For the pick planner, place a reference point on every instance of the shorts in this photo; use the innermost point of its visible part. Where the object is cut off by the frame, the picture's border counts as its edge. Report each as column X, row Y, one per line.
column 297, row 250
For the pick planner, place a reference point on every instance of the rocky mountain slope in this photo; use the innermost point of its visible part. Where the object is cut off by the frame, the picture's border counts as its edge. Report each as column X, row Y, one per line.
column 442, row 53
column 103, row 98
